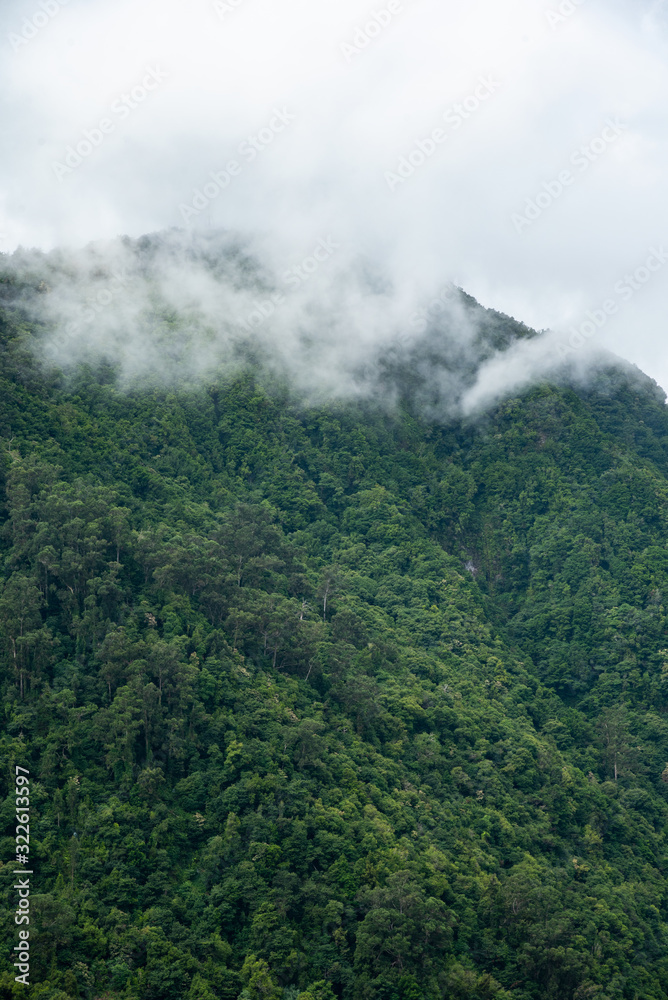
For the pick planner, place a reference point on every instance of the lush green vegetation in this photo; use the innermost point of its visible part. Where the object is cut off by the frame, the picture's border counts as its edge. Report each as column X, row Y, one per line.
column 334, row 703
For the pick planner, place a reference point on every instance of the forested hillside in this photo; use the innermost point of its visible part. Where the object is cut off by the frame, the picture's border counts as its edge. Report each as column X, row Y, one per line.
column 338, row 700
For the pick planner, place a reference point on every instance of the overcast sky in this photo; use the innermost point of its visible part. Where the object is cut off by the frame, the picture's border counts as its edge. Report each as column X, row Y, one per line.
column 517, row 148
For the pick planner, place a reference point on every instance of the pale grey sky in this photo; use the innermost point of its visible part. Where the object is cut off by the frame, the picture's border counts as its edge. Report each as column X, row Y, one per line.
column 519, row 149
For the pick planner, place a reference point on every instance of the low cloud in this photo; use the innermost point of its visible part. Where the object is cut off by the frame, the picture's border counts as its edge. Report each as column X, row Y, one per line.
column 395, row 148
column 182, row 307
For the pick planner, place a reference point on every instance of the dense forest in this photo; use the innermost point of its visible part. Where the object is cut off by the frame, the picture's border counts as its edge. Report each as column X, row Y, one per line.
column 338, row 700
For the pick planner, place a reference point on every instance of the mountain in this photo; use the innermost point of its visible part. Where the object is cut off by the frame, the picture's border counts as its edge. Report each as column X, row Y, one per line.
column 332, row 697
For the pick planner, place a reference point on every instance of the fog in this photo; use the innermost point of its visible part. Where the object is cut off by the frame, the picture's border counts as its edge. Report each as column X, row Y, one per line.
column 178, row 308
column 516, row 150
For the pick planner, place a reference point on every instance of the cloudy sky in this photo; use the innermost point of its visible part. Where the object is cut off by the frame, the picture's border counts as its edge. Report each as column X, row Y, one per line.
column 518, row 149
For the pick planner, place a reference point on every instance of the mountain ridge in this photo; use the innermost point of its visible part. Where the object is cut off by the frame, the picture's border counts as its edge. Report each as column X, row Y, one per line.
column 282, row 742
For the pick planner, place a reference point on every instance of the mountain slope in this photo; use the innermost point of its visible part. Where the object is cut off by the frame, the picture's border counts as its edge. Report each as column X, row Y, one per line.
column 335, row 699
